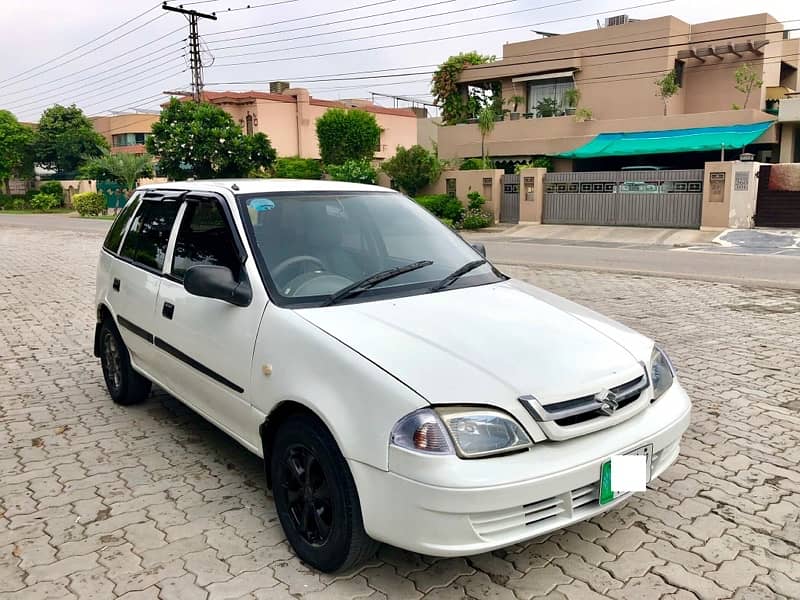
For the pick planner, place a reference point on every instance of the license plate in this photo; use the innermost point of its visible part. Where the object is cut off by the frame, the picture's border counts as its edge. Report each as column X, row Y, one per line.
column 606, row 493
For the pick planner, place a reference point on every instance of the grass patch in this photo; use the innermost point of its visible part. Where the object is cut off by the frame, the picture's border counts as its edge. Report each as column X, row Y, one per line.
column 29, row 211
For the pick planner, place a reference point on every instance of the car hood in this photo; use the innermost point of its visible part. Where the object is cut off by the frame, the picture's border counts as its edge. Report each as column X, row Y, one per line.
column 489, row 344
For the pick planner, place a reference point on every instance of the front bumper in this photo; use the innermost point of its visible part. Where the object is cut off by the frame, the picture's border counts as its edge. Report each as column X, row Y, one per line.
column 446, row 506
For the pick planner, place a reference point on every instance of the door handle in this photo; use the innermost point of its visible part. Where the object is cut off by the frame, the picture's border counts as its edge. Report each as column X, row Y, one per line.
column 115, row 285
column 168, row 310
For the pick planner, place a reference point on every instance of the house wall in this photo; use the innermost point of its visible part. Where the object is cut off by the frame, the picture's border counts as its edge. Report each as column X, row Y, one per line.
column 107, row 126
column 467, row 181
column 526, row 137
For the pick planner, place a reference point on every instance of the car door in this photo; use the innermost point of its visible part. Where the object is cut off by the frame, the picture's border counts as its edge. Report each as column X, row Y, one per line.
column 136, row 275
column 206, row 345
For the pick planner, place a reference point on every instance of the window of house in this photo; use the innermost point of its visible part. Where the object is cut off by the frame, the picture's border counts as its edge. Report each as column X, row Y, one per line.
column 148, row 235
column 204, row 238
column 114, row 236
column 128, row 139
column 549, row 88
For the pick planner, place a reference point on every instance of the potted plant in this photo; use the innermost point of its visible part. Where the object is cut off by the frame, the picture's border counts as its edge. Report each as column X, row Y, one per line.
column 571, row 98
column 515, row 101
column 583, row 114
column 547, row 107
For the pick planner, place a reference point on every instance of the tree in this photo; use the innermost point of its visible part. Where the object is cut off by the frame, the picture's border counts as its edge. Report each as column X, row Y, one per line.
column 412, row 169
column 354, row 171
column 667, row 87
column 66, row 138
column 486, row 125
column 746, row 79
column 347, row 135
column 202, row 141
column 16, row 148
column 122, row 168
column 458, row 105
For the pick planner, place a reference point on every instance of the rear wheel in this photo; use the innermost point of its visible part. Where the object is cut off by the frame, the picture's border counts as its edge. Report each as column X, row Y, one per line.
column 316, row 497
column 125, row 386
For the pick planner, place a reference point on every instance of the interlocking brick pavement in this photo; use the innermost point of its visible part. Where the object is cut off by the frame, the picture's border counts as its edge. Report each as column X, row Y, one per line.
column 100, row 501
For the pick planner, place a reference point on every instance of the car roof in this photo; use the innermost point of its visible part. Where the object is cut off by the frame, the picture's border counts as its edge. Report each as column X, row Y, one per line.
column 256, row 186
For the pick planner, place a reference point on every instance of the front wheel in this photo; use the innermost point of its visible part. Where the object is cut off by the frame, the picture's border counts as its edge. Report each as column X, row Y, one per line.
column 125, row 386
column 316, row 497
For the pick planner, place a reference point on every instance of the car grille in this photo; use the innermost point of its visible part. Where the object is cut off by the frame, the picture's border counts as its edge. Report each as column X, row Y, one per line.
column 627, row 393
column 578, row 416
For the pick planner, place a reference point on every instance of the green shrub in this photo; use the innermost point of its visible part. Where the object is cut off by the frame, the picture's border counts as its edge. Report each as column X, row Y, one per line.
column 543, row 162
column 475, row 219
column 354, row 171
column 294, row 167
column 448, row 222
column 476, row 201
column 412, row 169
column 54, row 189
column 44, row 202
column 89, row 204
column 471, row 164
column 442, row 206
column 20, row 204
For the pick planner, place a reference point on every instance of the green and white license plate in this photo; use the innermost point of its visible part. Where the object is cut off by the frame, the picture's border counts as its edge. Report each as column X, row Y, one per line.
column 606, row 493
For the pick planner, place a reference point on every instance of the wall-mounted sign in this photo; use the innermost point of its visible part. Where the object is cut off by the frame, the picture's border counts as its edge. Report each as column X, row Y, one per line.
column 741, row 181
column 717, row 191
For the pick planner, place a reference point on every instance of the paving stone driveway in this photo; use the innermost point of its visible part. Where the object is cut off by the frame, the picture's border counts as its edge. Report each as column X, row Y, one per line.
column 99, row 501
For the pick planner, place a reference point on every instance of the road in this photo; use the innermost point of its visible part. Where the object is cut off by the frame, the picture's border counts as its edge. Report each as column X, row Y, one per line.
column 151, row 502
column 755, row 266
column 705, row 263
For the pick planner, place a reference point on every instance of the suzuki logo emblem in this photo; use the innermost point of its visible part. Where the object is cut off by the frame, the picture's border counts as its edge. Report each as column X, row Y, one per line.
column 608, row 402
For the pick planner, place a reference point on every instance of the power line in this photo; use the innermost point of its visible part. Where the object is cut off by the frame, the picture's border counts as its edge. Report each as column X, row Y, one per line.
column 252, row 6
column 111, row 79
column 451, row 37
column 449, row 12
column 79, row 56
column 294, row 20
column 60, row 56
column 350, row 20
column 104, row 65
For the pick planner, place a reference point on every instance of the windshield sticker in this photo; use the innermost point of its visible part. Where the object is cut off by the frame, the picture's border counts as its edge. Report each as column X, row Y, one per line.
column 261, row 204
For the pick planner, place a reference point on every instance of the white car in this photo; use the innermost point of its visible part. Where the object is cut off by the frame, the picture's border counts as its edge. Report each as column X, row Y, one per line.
column 399, row 387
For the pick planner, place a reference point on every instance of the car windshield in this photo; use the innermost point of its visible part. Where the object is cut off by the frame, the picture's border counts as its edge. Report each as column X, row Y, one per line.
column 311, row 245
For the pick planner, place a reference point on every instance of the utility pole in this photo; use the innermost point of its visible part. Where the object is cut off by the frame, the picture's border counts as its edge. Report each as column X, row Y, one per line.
column 195, row 61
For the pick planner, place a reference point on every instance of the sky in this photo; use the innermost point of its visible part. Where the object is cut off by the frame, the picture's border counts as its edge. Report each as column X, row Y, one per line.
column 111, row 56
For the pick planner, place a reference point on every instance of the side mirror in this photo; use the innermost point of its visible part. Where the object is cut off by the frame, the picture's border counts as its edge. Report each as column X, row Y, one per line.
column 210, row 281
column 479, row 248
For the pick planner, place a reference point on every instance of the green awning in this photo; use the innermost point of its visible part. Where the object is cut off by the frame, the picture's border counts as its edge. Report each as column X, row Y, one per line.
column 698, row 139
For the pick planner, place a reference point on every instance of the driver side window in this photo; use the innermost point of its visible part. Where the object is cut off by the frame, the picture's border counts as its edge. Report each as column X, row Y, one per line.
column 204, row 238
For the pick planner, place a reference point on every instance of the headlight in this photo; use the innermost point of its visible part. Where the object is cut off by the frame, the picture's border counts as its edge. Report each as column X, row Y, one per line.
column 661, row 371
column 473, row 432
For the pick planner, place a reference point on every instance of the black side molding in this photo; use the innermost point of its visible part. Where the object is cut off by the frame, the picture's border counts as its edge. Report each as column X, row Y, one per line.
column 196, row 365
column 134, row 328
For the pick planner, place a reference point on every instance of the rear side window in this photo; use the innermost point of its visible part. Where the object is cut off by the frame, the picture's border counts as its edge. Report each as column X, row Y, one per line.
column 114, row 236
column 148, row 235
column 204, row 238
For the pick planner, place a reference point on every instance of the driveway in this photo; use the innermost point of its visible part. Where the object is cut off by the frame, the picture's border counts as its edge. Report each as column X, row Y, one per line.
column 101, row 501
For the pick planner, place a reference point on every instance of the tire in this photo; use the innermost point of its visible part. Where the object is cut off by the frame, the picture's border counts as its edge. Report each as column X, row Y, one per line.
column 316, row 497
column 125, row 386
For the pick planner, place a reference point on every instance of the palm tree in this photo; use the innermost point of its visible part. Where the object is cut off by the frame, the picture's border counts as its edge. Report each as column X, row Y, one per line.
column 486, row 119
column 122, row 168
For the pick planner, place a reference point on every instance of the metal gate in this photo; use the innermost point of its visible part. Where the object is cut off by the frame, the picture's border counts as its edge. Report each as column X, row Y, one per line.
column 509, row 206
column 115, row 195
column 778, row 200
column 652, row 198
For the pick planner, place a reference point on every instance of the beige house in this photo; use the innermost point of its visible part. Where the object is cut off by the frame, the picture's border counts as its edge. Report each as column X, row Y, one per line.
column 614, row 68
column 289, row 119
column 125, row 133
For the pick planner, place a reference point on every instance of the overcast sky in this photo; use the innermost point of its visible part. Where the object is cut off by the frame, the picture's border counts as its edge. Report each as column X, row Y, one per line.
column 148, row 58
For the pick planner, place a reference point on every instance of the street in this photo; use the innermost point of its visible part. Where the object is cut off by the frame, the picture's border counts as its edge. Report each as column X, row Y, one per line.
column 145, row 502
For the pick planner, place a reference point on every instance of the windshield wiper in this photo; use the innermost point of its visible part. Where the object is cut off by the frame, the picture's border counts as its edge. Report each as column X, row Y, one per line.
column 463, row 270
column 373, row 280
